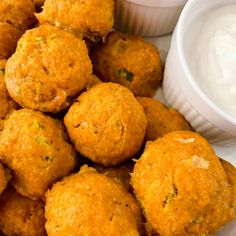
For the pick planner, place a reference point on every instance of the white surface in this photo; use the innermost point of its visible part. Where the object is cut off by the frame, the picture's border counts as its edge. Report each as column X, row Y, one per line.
column 227, row 153
column 147, row 20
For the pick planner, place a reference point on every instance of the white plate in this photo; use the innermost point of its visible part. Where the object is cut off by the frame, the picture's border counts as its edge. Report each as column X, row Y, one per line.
column 227, row 153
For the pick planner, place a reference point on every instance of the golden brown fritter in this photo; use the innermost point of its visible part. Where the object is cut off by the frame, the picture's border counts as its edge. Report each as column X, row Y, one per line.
column 35, row 147
column 4, row 178
column 161, row 119
column 230, row 171
column 49, row 67
column 21, row 216
column 120, row 173
column 93, row 80
column 7, row 104
column 182, row 186
column 89, row 18
column 106, row 124
column 130, row 61
column 16, row 16
column 88, row 203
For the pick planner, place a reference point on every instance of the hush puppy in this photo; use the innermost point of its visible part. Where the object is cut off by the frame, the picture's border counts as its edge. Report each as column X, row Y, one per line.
column 130, row 61
column 106, row 124
column 161, row 119
column 21, row 216
column 182, row 186
column 16, row 16
column 4, row 178
column 91, row 18
column 35, row 147
column 88, row 203
column 49, row 67
column 7, row 104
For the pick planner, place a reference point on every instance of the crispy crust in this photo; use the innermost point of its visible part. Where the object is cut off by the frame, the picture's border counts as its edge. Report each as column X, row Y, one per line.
column 20, row 215
column 130, row 61
column 102, row 125
column 35, row 147
column 98, row 206
column 15, row 18
column 89, row 18
column 182, row 186
column 54, row 73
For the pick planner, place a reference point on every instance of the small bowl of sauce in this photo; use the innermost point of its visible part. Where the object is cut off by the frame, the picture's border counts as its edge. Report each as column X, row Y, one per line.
column 200, row 73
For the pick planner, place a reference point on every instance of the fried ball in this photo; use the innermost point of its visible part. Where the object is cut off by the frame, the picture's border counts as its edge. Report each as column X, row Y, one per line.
column 130, row 61
column 106, row 124
column 182, row 186
column 16, row 16
column 230, row 171
column 35, row 147
column 93, row 80
column 7, row 104
column 120, row 173
column 97, row 206
column 4, row 178
column 21, row 216
column 91, row 18
column 161, row 119
column 49, row 67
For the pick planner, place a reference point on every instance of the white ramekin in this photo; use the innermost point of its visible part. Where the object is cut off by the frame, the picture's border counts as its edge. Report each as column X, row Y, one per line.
column 181, row 89
column 147, row 17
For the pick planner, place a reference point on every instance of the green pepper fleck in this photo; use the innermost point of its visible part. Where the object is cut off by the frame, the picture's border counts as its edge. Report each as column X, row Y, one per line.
column 233, row 204
column 37, row 125
column 42, row 141
column 125, row 74
column 198, row 220
column 40, row 39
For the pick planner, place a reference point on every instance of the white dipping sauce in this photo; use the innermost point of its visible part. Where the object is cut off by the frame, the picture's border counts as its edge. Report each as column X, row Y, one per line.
column 213, row 56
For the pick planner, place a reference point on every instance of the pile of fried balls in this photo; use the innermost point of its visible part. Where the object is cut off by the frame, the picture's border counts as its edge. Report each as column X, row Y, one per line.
column 85, row 149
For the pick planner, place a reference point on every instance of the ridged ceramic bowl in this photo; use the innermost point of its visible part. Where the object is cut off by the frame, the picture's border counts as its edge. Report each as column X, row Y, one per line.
column 147, row 17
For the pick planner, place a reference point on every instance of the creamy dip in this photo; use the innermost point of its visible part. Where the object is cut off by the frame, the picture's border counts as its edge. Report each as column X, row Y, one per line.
column 213, row 56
